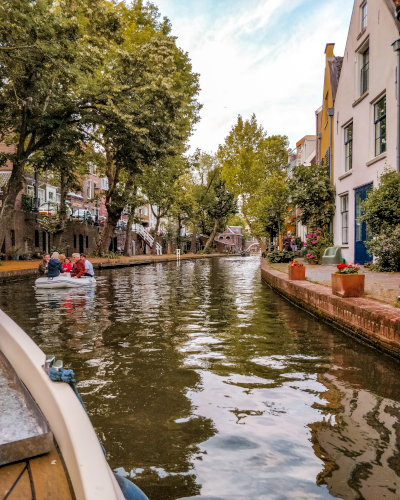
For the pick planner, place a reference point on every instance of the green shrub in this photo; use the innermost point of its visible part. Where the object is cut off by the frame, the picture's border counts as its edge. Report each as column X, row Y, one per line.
column 278, row 256
column 386, row 249
column 206, row 251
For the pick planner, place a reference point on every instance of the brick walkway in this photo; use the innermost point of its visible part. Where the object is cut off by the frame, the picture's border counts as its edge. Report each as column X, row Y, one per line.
column 383, row 287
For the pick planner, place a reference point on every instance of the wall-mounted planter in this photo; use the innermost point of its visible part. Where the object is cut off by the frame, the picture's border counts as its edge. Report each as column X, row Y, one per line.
column 297, row 273
column 348, row 285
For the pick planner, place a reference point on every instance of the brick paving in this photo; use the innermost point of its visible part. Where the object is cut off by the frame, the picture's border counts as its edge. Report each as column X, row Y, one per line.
column 383, row 287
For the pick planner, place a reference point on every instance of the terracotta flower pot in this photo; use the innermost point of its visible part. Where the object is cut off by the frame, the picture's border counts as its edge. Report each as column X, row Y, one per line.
column 348, row 285
column 297, row 272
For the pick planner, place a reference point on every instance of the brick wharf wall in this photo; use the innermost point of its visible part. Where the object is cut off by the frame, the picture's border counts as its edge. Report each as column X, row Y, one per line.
column 29, row 237
column 372, row 322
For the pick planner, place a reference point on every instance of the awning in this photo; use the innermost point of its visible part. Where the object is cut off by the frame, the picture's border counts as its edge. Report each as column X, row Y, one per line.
column 4, row 178
column 76, row 195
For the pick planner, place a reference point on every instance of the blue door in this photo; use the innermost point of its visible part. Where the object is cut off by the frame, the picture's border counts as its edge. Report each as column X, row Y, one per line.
column 361, row 256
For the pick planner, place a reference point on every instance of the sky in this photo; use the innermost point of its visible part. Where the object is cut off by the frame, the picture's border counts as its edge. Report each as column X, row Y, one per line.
column 258, row 56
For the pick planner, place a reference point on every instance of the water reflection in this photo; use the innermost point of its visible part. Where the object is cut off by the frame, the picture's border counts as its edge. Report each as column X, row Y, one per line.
column 203, row 382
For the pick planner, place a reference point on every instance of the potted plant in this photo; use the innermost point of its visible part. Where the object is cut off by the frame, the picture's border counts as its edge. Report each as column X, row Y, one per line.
column 296, row 271
column 346, row 282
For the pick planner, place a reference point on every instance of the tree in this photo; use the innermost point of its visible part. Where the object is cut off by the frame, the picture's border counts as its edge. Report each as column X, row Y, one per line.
column 49, row 60
column 159, row 184
column 222, row 206
column 312, row 192
column 272, row 209
column 382, row 206
column 184, row 205
column 152, row 116
column 248, row 156
column 205, row 172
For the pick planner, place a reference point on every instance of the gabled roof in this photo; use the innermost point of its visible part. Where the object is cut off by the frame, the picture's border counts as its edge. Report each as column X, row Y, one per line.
column 335, row 67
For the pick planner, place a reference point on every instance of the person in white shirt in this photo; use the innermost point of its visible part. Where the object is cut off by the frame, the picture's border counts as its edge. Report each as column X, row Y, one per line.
column 88, row 266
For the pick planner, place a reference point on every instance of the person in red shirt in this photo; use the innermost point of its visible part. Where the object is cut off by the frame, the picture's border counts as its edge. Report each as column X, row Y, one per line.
column 67, row 266
column 78, row 269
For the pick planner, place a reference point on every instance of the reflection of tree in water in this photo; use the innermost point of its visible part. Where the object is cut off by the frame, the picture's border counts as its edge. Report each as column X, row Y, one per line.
column 359, row 443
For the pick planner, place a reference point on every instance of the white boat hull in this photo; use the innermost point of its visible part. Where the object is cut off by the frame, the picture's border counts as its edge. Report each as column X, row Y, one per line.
column 64, row 282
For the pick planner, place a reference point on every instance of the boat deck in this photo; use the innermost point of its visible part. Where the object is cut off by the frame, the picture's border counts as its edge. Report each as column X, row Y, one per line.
column 39, row 478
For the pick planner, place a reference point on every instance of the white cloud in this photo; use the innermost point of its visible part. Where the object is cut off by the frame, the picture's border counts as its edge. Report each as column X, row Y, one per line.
column 261, row 56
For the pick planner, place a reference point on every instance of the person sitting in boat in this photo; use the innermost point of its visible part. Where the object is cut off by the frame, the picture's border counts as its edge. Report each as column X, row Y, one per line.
column 43, row 265
column 54, row 269
column 78, row 269
column 88, row 266
column 67, row 266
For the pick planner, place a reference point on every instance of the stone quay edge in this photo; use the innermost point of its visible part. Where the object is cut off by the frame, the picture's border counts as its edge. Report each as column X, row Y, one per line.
column 367, row 320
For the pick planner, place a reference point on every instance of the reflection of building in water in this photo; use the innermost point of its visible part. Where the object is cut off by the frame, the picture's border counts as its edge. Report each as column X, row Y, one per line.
column 359, row 443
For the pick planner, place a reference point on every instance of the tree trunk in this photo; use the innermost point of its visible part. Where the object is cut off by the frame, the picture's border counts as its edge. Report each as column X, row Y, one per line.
column 262, row 244
column 62, row 212
column 103, row 243
column 15, row 184
column 212, row 236
column 156, row 236
column 193, row 246
column 128, row 234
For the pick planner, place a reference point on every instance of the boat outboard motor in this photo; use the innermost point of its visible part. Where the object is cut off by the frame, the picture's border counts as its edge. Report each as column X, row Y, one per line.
column 129, row 490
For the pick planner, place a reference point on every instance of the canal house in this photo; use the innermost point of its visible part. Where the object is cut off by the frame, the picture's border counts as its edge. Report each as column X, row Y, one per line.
column 231, row 238
column 365, row 128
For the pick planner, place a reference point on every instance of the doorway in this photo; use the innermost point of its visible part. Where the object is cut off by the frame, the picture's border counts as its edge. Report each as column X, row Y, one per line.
column 361, row 255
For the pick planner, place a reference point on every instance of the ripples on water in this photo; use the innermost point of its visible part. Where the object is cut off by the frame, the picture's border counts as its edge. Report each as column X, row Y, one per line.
column 201, row 381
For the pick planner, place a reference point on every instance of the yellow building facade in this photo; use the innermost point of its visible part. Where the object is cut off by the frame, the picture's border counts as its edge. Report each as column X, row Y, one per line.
column 325, row 116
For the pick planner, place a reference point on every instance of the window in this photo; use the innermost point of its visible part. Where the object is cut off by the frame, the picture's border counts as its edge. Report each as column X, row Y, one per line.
column 58, row 198
column 51, row 196
column 104, row 183
column 364, row 15
column 364, row 77
column 87, row 241
column 41, row 196
column 146, row 211
column 348, row 147
column 89, row 189
column 344, row 209
column 380, row 126
column 95, row 212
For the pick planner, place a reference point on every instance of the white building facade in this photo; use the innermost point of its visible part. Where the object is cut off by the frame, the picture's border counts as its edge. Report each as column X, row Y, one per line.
column 365, row 120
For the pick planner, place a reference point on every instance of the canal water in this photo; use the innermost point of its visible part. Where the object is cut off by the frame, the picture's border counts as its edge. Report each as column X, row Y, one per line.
column 203, row 382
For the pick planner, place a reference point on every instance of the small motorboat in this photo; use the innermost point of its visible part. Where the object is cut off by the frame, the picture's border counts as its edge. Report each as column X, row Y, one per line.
column 64, row 281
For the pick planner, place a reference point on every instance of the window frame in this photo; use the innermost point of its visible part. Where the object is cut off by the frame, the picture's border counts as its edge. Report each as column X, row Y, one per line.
column 378, row 124
column 344, row 217
column 364, row 15
column 364, row 72
column 348, row 145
